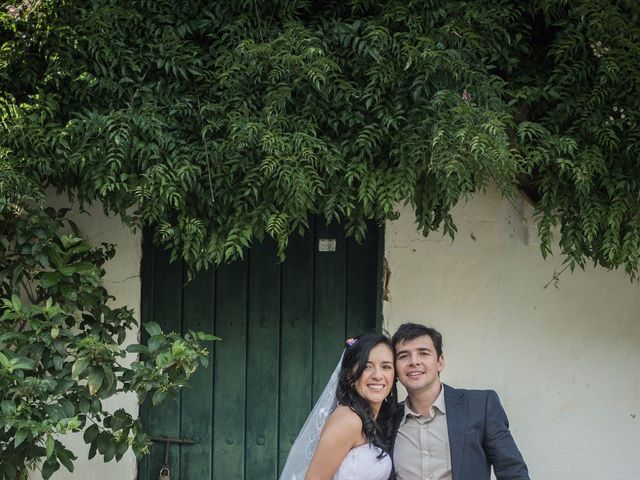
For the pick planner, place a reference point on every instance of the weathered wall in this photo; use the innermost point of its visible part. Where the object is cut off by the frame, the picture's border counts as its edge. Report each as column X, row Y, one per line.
column 122, row 280
column 564, row 360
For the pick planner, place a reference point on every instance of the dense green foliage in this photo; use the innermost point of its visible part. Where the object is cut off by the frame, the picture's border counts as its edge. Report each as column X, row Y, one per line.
column 61, row 348
column 220, row 122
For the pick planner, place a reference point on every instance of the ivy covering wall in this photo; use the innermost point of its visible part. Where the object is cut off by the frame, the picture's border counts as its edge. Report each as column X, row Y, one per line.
column 222, row 122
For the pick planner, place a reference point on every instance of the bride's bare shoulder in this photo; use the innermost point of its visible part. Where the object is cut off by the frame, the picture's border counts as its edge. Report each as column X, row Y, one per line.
column 346, row 420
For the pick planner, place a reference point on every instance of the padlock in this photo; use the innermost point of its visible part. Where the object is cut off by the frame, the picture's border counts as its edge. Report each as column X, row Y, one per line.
column 165, row 473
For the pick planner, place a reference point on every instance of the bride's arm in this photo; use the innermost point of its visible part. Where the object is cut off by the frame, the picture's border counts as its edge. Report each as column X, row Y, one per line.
column 341, row 433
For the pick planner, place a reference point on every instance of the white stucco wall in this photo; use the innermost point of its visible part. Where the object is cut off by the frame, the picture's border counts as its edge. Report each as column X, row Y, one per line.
column 564, row 360
column 122, row 280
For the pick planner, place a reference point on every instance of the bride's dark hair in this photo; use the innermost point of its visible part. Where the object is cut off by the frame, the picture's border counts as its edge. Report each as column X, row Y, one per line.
column 379, row 430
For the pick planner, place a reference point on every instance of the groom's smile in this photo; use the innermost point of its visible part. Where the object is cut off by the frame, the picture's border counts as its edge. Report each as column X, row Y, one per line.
column 417, row 364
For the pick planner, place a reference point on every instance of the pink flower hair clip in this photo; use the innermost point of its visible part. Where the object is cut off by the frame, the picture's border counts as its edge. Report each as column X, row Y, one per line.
column 351, row 341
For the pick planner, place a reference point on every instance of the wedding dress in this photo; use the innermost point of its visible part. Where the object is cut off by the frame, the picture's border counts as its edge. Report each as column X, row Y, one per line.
column 360, row 463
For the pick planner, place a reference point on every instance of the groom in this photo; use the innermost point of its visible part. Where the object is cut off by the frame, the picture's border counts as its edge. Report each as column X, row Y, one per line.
column 442, row 433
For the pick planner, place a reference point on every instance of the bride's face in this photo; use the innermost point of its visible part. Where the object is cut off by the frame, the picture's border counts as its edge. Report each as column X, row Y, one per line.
column 377, row 378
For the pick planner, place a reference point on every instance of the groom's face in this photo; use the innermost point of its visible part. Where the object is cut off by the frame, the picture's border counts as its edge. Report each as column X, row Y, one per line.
column 417, row 364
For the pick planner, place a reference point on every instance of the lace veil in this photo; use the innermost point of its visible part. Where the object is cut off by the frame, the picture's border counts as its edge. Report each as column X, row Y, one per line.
column 305, row 445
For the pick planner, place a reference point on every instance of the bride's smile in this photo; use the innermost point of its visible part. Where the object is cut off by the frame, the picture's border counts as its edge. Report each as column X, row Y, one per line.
column 374, row 384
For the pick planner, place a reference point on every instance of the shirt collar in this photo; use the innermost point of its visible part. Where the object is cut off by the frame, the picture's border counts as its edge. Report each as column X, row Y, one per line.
column 439, row 404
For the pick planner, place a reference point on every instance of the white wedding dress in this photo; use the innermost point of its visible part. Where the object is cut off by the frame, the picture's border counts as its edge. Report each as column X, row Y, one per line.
column 362, row 463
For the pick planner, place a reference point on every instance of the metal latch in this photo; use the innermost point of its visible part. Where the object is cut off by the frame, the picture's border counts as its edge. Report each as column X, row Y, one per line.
column 165, row 469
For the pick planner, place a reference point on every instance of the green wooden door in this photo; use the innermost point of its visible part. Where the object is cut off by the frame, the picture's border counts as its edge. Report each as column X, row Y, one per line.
column 282, row 327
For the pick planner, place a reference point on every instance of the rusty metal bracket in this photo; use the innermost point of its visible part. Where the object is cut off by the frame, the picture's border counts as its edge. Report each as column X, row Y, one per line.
column 168, row 441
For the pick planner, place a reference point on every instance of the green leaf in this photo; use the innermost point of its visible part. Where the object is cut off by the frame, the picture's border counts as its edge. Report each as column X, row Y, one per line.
column 50, row 279
column 156, row 342
column 79, row 366
column 4, row 361
column 50, row 445
column 60, row 346
column 44, row 261
column 92, row 451
column 67, row 407
column 8, row 408
column 49, row 467
column 137, row 348
column 158, row 396
column 58, row 361
column 67, row 270
column 104, row 440
column 23, row 363
column 91, row 433
column 21, row 436
column 152, row 328
column 119, row 420
column 110, row 451
column 63, row 386
column 54, row 412
column 206, row 337
column 94, row 380
column 121, row 449
column 164, row 360
column 81, row 267
column 66, row 458
column 84, row 405
column 16, row 303
column 109, row 376
column 70, row 293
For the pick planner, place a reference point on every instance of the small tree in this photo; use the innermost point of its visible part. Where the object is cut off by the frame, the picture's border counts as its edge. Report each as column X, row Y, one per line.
column 61, row 347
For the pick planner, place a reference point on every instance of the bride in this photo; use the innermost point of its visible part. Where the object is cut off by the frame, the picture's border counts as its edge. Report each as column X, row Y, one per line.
column 348, row 434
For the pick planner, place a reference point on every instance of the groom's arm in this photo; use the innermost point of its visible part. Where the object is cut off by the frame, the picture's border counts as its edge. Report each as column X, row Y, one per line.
column 499, row 446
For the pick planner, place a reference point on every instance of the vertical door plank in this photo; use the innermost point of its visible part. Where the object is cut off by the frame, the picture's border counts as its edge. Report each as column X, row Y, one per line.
column 329, row 305
column 362, row 283
column 296, row 342
column 197, row 396
column 230, row 371
column 262, row 362
column 164, row 419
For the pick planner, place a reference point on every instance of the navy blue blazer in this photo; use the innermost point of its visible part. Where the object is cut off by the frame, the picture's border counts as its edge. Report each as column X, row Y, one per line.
column 479, row 436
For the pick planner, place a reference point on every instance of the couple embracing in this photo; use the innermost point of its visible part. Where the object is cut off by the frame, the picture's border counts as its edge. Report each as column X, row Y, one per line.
column 358, row 430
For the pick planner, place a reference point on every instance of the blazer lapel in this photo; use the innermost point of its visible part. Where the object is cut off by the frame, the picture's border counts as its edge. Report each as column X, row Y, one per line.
column 456, row 414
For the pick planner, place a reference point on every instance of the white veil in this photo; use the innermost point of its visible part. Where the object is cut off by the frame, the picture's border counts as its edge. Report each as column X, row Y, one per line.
column 305, row 445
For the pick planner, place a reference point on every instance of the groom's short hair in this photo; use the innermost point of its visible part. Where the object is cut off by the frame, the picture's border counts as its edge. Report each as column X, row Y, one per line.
column 410, row 331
